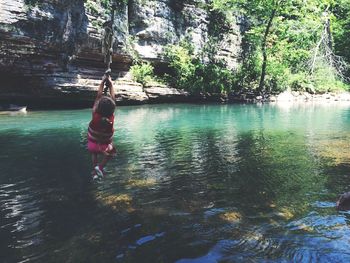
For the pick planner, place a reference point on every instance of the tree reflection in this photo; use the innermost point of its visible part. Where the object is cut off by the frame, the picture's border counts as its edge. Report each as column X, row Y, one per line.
column 277, row 168
column 184, row 177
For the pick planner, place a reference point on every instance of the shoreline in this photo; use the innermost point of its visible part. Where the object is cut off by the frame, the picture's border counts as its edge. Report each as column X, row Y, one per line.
column 161, row 95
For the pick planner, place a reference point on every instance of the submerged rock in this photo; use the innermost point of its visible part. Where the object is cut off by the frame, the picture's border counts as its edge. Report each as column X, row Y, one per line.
column 232, row 217
column 343, row 202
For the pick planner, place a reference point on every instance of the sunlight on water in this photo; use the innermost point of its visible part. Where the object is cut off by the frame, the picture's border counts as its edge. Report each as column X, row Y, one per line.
column 191, row 183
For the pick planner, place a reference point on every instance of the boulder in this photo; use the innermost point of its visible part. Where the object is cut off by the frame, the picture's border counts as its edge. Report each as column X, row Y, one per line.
column 285, row 96
column 129, row 92
column 345, row 96
column 162, row 93
column 272, row 99
column 343, row 202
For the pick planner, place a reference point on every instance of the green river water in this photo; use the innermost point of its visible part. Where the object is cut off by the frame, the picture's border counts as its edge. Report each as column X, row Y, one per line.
column 190, row 183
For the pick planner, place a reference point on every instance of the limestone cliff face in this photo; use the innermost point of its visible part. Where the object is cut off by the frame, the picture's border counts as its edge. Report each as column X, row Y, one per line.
column 155, row 24
column 51, row 51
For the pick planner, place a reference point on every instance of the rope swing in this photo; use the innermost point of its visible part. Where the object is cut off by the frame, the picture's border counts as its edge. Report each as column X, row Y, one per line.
column 107, row 45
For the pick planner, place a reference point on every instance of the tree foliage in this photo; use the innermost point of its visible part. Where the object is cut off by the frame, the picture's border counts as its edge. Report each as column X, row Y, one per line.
column 189, row 72
column 283, row 38
column 142, row 72
column 341, row 30
column 288, row 44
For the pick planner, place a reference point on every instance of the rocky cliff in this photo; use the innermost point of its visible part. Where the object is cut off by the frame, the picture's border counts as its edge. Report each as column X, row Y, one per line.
column 51, row 50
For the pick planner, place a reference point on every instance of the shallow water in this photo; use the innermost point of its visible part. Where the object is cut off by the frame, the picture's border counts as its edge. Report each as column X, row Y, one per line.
column 191, row 183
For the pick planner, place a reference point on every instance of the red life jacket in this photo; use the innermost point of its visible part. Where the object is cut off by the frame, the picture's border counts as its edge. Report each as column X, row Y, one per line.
column 98, row 132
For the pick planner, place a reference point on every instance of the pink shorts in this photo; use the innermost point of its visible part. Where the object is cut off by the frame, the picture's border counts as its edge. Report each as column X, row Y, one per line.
column 107, row 149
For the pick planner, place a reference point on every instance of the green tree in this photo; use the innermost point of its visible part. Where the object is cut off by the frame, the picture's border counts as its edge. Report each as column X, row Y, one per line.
column 181, row 62
column 142, row 72
column 341, row 31
column 190, row 73
column 262, row 14
column 283, row 37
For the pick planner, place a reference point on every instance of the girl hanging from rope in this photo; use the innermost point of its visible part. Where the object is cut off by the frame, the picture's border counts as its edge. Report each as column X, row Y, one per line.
column 101, row 130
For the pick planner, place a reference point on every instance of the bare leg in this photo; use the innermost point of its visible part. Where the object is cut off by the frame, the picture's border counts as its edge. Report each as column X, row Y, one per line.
column 106, row 158
column 94, row 159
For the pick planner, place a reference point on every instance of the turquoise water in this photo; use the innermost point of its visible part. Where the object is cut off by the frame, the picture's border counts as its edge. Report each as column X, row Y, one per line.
column 191, row 183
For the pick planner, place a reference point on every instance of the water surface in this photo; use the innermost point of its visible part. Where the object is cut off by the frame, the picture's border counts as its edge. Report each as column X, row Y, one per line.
column 191, row 183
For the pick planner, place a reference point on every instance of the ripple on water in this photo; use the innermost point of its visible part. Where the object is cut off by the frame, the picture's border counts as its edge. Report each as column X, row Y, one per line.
column 21, row 217
column 191, row 183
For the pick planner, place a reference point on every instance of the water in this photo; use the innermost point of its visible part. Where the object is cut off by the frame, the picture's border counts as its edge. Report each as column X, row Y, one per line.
column 191, row 183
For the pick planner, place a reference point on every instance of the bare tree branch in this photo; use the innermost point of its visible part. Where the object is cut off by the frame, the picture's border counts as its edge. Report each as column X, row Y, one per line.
column 323, row 54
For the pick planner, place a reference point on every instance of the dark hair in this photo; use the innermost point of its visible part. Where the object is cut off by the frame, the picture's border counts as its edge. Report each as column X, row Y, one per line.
column 105, row 108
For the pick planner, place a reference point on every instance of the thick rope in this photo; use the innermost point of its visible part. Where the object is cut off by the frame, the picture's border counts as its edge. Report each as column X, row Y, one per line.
column 107, row 45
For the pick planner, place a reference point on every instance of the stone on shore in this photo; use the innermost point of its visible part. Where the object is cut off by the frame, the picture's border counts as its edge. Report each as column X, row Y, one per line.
column 130, row 92
column 285, row 96
column 163, row 93
column 300, row 96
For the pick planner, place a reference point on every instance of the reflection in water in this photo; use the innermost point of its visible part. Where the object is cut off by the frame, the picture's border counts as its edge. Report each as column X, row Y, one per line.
column 191, row 183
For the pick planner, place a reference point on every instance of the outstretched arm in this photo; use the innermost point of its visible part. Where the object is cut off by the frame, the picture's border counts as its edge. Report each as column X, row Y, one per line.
column 99, row 93
column 100, row 88
column 111, row 88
